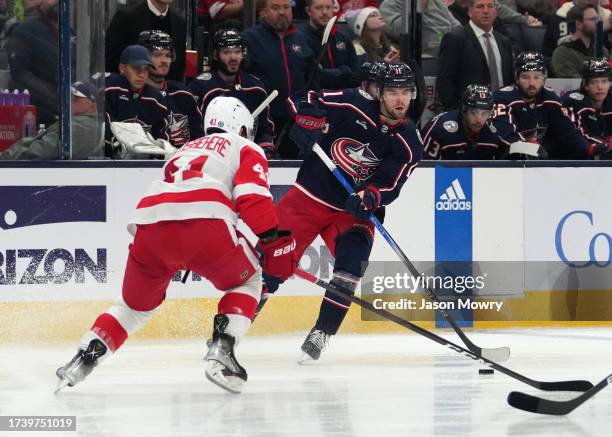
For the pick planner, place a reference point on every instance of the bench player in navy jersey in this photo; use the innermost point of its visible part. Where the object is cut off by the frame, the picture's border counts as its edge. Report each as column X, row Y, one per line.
column 376, row 148
column 590, row 107
column 529, row 111
column 227, row 78
column 186, row 121
column 465, row 134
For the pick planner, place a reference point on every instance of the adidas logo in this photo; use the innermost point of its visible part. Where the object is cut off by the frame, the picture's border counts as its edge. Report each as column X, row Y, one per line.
column 453, row 199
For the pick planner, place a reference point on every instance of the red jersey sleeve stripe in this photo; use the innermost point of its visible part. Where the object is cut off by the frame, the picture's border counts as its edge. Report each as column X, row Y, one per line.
column 201, row 195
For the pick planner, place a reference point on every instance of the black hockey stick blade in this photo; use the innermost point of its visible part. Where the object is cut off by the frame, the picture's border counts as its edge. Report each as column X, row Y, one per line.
column 534, row 404
column 541, row 385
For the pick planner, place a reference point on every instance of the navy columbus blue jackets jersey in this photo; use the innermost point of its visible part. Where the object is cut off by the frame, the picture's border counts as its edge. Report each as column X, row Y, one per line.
column 543, row 121
column 445, row 138
column 142, row 106
column 248, row 89
column 595, row 125
column 186, row 121
column 367, row 151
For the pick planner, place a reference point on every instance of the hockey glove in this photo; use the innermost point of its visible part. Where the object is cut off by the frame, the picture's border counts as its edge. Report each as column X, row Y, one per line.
column 310, row 123
column 596, row 150
column 279, row 257
column 364, row 202
column 269, row 149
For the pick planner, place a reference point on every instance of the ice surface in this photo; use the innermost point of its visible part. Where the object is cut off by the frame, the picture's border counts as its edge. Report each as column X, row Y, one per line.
column 364, row 385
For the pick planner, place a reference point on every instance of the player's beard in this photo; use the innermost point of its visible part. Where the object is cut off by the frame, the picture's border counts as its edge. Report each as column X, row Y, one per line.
column 225, row 69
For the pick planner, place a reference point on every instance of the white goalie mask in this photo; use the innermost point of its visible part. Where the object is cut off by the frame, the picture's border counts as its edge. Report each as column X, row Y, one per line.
column 228, row 114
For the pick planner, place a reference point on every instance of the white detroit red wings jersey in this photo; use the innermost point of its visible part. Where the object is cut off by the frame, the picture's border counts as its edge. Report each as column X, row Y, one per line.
column 219, row 176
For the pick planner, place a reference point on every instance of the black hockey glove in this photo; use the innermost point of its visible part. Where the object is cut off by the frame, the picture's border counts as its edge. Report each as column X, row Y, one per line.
column 363, row 202
column 310, row 124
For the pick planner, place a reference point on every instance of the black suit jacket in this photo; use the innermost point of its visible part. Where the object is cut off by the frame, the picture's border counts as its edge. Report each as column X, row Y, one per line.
column 127, row 23
column 462, row 62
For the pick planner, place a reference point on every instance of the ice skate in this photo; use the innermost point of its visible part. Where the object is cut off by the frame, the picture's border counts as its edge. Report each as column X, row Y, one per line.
column 81, row 365
column 222, row 368
column 314, row 344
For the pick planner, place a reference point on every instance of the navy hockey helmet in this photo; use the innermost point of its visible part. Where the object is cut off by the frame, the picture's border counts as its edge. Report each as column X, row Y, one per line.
column 597, row 67
column 369, row 71
column 228, row 38
column 156, row 40
column 477, row 96
column 529, row 61
column 396, row 75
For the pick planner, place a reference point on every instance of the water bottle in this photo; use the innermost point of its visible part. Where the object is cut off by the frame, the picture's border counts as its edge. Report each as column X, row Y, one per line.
column 29, row 124
column 25, row 97
column 16, row 98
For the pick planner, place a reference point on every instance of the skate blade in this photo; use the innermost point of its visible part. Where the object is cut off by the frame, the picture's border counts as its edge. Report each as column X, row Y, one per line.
column 214, row 373
column 61, row 384
column 305, row 359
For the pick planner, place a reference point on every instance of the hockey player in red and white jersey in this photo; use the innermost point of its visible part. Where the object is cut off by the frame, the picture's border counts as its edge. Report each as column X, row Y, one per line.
column 187, row 220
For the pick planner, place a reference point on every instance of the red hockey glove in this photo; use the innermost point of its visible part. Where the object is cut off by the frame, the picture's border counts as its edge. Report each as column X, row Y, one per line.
column 269, row 149
column 310, row 123
column 364, row 202
column 596, row 150
column 279, row 257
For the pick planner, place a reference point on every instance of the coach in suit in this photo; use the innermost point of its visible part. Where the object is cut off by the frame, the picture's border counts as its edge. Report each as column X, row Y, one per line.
column 474, row 53
column 127, row 23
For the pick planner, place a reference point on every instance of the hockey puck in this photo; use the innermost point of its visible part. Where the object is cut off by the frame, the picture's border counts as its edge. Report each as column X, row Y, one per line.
column 485, row 371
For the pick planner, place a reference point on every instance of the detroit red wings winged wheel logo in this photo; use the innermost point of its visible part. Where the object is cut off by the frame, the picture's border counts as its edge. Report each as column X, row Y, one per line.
column 355, row 158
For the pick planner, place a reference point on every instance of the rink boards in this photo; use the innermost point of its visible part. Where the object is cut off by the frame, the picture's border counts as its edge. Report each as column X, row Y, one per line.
column 63, row 244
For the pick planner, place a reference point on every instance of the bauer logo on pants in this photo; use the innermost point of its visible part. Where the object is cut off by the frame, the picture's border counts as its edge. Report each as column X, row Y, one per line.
column 22, row 206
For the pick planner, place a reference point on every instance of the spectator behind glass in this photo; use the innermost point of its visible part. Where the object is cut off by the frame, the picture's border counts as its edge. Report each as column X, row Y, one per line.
column 370, row 43
column 437, row 20
column 33, row 58
column 127, row 23
column 21, row 10
column 558, row 26
column 574, row 49
column 280, row 56
column 466, row 52
column 212, row 12
column 86, row 139
column 339, row 62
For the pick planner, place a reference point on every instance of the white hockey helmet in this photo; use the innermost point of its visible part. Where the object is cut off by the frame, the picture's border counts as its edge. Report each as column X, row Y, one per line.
column 228, row 114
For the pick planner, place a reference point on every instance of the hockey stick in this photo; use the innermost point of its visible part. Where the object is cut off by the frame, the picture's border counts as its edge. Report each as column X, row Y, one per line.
column 494, row 354
column 534, row 404
column 339, row 291
column 263, row 105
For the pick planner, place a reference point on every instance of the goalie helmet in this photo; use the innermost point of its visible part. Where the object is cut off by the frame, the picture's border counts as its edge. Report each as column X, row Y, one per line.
column 477, row 96
column 529, row 61
column 228, row 114
column 397, row 75
column 156, row 40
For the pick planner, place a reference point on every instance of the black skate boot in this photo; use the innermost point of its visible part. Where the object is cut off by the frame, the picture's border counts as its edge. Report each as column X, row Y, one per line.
column 314, row 344
column 81, row 365
column 222, row 368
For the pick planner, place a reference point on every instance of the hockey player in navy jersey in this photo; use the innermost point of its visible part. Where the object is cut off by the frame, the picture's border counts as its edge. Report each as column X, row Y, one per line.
column 465, row 134
column 227, row 79
column 590, row 107
column 529, row 111
column 186, row 121
column 376, row 149
column 128, row 98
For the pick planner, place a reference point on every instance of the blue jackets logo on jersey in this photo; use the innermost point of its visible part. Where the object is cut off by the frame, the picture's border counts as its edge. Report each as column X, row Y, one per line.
column 37, row 205
column 355, row 158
